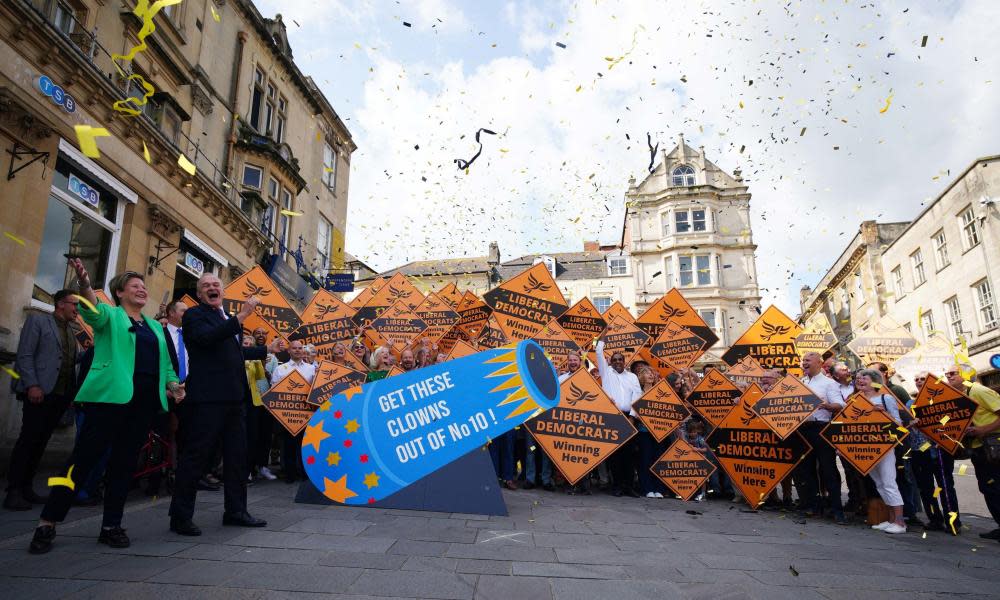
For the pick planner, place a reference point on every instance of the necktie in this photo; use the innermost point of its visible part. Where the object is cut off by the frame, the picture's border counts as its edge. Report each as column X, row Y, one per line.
column 182, row 357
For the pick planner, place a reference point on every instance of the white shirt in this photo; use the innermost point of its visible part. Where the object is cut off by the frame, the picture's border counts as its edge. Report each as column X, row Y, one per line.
column 623, row 388
column 828, row 391
column 175, row 336
column 846, row 390
column 285, row 369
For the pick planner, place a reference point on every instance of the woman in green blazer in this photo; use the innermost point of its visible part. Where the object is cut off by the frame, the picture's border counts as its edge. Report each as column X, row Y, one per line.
column 125, row 388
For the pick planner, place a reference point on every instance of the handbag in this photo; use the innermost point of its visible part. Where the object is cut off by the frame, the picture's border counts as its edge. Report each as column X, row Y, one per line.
column 991, row 449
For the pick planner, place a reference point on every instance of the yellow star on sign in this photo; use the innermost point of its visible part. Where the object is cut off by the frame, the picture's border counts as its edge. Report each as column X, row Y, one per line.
column 349, row 392
column 333, row 459
column 314, row 436
column 337, row 490
column 371, row 480
column 352, row 426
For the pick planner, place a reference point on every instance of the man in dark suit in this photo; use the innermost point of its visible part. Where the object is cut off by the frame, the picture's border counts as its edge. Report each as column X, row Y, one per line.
column 215, row 407
column 47, row 354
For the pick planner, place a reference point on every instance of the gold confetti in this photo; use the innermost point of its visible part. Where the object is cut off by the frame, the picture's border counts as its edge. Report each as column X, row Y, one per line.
column 85, row 302
column 64, row 481
column 962, row 469
column 187, row 165
column 945, row 419
column 215, row 15
column 951, row 521
column 888, row 102
column 937, row 491
column 10, row 372
column 85, row 135
column 145, row 154
column 923, row 447
column 290, row 213
column 14, row 237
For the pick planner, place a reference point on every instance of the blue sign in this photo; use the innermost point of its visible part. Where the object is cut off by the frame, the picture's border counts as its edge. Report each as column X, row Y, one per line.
column 995, row 361
column 288, row 279
column 369, row 442
column 84, row 191
column 56, row 93
column 339, row 282
column 192, row 262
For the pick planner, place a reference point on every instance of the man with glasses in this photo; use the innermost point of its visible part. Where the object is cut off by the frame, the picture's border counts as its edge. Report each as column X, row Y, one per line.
column 47, row 354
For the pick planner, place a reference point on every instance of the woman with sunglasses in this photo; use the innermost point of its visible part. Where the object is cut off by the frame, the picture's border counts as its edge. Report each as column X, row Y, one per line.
column 124, row 389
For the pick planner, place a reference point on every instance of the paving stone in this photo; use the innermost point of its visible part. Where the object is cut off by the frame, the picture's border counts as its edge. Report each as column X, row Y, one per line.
column 417, row 548
column 585, row 589
column 58, row 564
column 573, row 540
column 742, row 563
column 502, row 537
column 286, row 556
column 450, row 586
column 329, row 526
column 576, row 571
column 210, row 551
column 131, row 568
column 485, row 567
column 491, row 587
column 430, row 564
column 494, row 552
column 306, row 578
column 363, row 560
column 40, row 588
column 201, row 572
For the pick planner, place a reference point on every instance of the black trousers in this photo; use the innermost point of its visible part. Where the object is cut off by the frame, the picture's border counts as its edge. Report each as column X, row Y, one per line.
column 260, row 425
column 935, row 468
column 123, row 427
column 38, row 421
column 988, row 477
column 622, row 464
column 649, row 451
column 824, row 457
column 202, row 426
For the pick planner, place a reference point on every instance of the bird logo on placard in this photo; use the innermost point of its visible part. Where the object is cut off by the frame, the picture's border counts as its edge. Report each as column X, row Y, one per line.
column 535, row 285
column 748, row 416
column 662, row 393
column 856, row 412
column 681, row 453
column 255, row 290
column 773, row 330
column 431, row 303
column 934, row 393
column 576, row 395
column 398, row 294
column 714, row 381
column 669, row 312
column 327, row 372
column 294, row 385
column 784, row 388
column 324, row 309
column 585, row 311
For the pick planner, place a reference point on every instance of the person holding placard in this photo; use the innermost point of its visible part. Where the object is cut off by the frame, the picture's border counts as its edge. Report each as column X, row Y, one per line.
column 622, row 386
column 933, row 469
column 869, row 382
column 823, row 454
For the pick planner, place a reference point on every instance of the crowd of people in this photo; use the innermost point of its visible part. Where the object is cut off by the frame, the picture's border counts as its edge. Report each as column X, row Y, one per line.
column 195, row 379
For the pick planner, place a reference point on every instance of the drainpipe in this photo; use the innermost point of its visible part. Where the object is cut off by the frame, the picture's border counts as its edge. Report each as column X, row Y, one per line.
column 227, row 167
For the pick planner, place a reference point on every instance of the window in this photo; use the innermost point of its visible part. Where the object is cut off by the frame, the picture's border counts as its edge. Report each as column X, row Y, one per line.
column 970, row 229
column 917, row 262
column 323, row 238
column 170, row 124
column 329, row 167
column 550, row 264
column 602, row 303
column 941, row 259
column 708, row 316
column 954, row 312
column 286, row 221
column 618, row 265
column 252, row 176
column 135, row 90
column 985, row 305
column 171, row 11
column 64, row 18
column 683, row 175
column 280, row 120
column 897, row 282
column 267, row 218
column 257, row 99
column 269, row 108
column 690, row 220
column 859, row 288
column 718, row 270
column 665, row 222
column 845, row 301
column 695, row 269
column 682, row 222
column 927, row 323
column 668, row 272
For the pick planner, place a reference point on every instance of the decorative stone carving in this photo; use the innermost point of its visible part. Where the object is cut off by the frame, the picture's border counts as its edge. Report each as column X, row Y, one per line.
column 19, row 121
column 201, row 100
column 234, row 271
column 161, row 224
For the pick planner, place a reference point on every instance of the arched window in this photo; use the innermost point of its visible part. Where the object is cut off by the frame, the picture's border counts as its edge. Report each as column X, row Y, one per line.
column 683, row 175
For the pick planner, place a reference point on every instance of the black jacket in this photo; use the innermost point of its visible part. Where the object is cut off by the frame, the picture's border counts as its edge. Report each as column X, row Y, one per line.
column 215, row 357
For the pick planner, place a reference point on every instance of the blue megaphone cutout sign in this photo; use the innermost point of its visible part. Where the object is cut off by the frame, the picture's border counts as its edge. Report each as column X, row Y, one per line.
column 369, row 442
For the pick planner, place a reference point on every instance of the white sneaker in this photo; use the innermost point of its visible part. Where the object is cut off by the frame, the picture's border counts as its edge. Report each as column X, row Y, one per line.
column 699, row 498
column 651, row 495
column 882, row 526
column 267, row 474
column 893, row 528
column 658, row 495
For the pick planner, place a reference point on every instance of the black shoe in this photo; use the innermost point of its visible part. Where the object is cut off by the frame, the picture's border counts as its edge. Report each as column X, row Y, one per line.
column 840, row 518
column 42, row 541
column 206, row 486
column 632, row 493
column 15, row 500
column 617, row 493
column 114, row 537
column 30, row 495
column 548, row 487
column 242, row 519
column 991, row 535
column 184, row 527
column 913, row 522
column 936, row 526
column 528, row 485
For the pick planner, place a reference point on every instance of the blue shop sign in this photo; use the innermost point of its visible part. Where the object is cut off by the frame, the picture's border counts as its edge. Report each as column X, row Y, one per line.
column 56, row 93
column 83, row 191
column 339, row 282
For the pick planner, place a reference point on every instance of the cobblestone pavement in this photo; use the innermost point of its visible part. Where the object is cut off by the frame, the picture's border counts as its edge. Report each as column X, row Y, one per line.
column 551, row 546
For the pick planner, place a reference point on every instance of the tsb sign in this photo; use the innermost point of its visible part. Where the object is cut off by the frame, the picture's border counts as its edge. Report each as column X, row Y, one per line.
column 84, row 191
column 56, row 93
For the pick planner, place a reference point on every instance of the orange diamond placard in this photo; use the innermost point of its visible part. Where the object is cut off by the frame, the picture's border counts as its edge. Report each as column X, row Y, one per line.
column 288, row 402
column 862, row 434
column 661, row 410
column 273, row 307
column 677, row 346
column 397, row 289
column 524, row 304
column 662, row 368
column 398, row 326
column 437, row 315
column 366, row 294
column 332, row 379
column 491, row 336
column 556, row 343
column 714, row 397
column 683, row 468
column 747, row 370
column 326, row 320
column 460, row 349
column 771, row 341
column 753, row 456
column 472, row 315
column 583, row 430
column 618, row 310
column 583, row 322
column 451, row 295
column 674, row 308
column 622, row 336
column 817, row 336
column 943, row 413
column 786, row 406
column 885, row 342
column 255, row 322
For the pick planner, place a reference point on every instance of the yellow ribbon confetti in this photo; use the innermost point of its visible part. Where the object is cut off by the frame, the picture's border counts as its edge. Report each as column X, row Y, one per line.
column 937, row 491
column 130, row 106
column 145, row 12
column 945, row 419
column 14, row 237
column 187, row 165
column 85, row 135
column 888, row 102
column 145, row 154
column 923, row 447
column 290, row 213
column 951, row 521
column 962, row 469
column 65, row 481
column 13, row 374
column 215, row 15
column 85, row 302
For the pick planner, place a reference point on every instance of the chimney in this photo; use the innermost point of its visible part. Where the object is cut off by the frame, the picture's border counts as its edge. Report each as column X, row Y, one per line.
column 589, row 246
column 804, row 293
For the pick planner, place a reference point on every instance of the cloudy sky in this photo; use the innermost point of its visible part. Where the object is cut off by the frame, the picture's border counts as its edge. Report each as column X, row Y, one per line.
column 801, row 87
